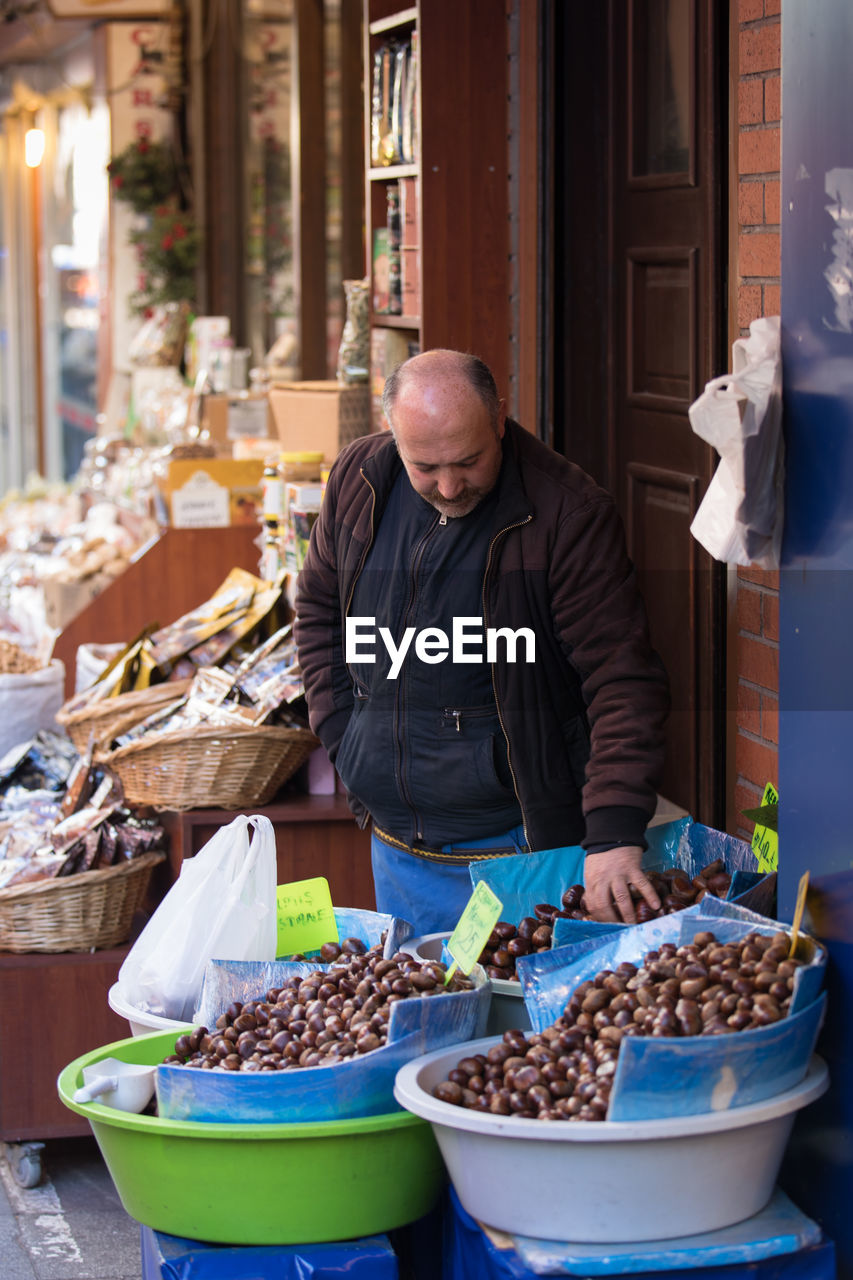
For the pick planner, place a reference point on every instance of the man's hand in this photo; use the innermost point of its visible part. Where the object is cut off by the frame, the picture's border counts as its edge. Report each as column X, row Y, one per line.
column 607, row 879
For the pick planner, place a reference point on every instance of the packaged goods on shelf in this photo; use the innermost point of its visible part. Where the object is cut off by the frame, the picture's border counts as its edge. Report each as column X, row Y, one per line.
column 75, row 859
column 409, row 233
column 237, row 417
column 382, row 252
column 410, row 280
column 321, row 416
column 212, row 492
column 388, row 348
column 393, row 126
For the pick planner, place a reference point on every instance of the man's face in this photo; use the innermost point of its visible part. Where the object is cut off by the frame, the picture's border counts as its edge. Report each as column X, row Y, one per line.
column 448, row 444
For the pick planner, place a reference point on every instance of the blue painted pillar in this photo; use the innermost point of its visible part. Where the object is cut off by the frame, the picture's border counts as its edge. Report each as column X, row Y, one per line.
column 816, row 587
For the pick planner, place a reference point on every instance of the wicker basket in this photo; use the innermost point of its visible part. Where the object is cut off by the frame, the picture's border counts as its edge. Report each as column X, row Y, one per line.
column 210, row 767
column 86, row 911
column 105, row 720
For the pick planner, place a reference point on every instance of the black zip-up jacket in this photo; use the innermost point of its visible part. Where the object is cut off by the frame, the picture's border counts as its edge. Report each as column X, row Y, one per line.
column 584, row 722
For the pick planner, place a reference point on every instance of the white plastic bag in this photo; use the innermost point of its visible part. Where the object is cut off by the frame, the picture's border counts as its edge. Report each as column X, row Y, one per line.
column 29, row 701
column 739, row 520
column 222, row 906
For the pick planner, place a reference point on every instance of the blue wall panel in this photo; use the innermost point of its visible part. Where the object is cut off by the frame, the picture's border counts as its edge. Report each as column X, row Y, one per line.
column 816, row 584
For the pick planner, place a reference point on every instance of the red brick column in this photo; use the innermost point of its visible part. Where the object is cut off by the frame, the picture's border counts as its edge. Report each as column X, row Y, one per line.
column 758, row 293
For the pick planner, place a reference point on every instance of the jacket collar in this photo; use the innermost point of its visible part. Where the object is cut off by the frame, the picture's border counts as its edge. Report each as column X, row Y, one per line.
column 383, row 466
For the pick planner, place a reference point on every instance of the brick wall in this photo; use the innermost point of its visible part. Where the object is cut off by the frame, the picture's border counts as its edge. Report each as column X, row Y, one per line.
column 757, row 256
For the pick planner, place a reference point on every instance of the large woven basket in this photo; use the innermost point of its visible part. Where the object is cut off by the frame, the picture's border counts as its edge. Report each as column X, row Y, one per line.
column 210, row 767
column 91, row 909
column 105, row 720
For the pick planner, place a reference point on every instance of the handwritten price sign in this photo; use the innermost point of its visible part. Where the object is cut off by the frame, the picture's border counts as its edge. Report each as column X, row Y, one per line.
column 475, row 924
column 306, row 918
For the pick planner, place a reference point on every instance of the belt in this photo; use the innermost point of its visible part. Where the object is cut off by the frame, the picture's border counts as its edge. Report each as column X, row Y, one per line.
column 462, row 858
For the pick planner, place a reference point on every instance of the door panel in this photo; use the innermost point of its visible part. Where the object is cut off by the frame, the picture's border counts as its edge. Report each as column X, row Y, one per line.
column 638, row 323
column 663, row 334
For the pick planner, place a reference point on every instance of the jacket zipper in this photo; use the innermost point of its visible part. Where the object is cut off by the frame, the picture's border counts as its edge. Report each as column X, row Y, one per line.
column 416, row 561
column 500, row 534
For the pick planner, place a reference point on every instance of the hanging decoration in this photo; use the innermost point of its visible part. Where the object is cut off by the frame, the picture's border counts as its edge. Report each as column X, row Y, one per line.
column 145, row 177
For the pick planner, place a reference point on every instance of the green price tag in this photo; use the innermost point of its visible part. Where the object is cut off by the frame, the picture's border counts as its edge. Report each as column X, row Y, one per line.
column 475, row 924
column 765, row 843
column 306, row 918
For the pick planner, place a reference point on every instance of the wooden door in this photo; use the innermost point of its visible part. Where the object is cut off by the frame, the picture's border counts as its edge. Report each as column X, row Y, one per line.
column 641, row 328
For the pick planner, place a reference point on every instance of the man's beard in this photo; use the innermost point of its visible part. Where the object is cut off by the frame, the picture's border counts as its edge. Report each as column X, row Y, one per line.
column 456, row 507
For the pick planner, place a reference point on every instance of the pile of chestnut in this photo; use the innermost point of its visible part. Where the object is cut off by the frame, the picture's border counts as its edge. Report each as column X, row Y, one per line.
column 320, row 1019
column 566, row 1071
column 675, row 888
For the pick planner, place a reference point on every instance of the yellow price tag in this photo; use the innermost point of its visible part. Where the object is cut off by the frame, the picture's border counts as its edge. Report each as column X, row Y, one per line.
column 802, row 890
column 765, row 842
column 475, row 924
column 306, row 918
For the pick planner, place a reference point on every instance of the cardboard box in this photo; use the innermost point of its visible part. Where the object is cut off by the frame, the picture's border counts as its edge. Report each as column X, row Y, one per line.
column 212, row 492
column 237, row 416
column 320, row 415
column 63, row 599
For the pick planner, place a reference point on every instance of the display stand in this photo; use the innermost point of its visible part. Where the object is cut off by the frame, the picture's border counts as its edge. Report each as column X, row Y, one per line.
column 53, row 1007
column 470, row 1251
column 166, row 1257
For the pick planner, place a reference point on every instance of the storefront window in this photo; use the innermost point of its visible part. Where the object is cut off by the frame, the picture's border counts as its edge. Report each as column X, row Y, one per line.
column 52, row 268
column 272, row 305
column 74, row 224
column 661, row 77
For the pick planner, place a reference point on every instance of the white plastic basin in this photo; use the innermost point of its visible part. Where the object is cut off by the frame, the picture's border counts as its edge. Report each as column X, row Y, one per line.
column 506, row 1008
column 141, row 1023
column 606, row 1182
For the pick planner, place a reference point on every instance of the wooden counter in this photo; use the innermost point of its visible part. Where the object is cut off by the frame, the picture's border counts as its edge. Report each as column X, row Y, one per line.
column 53, row 1007
column 166, row 579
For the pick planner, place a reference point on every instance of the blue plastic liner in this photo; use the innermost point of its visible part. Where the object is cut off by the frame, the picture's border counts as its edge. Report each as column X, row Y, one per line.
column 166, row 1257
column 356, row 922
column 690, row 846
column 522, row 880
column 696, row 1074
column 356, row 1086
column 690, row 1075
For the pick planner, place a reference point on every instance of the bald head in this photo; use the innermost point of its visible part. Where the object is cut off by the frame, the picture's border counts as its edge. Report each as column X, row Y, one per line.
column 448, row 423
column 442, row 370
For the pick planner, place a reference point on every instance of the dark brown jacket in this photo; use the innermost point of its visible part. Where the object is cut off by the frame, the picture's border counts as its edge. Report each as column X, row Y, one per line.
column 584, row 722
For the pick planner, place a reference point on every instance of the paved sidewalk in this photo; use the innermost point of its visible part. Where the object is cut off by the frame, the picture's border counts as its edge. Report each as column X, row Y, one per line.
column 72, row 1226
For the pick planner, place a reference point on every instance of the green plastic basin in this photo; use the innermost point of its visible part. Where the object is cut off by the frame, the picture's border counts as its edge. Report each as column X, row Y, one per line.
column 259, row 1184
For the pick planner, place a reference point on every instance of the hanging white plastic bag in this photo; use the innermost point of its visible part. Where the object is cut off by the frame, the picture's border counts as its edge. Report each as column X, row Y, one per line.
column 222, row 906
column 739, row 520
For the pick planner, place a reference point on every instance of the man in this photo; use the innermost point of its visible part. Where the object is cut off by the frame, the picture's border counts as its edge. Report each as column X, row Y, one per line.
column 475, row 653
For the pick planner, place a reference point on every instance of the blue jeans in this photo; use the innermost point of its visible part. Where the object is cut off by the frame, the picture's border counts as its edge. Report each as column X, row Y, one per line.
column 431, row 894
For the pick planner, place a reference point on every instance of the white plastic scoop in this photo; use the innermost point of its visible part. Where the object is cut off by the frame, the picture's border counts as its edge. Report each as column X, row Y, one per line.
column 127, row 1086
